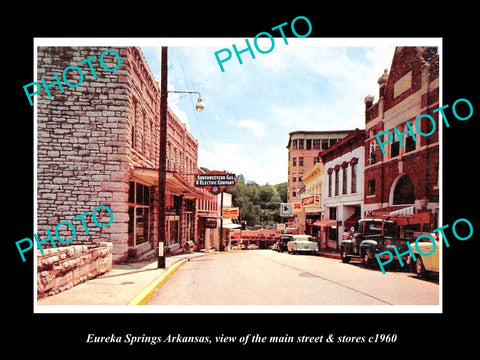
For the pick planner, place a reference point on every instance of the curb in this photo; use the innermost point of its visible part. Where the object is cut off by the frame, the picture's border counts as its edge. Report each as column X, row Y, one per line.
column 143, row 296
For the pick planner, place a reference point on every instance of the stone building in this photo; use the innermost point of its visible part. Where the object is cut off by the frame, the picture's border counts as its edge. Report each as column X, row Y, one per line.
column 98, row 144
column 405, row 179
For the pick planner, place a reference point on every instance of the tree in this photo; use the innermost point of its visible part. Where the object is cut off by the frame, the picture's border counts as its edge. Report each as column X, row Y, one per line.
column 259, row 204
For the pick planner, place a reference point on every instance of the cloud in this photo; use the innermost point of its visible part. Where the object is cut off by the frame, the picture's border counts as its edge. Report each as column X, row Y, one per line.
column 257, row 127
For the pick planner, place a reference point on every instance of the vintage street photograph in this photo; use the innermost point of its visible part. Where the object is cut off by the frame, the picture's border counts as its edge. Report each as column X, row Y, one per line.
column 267, row 174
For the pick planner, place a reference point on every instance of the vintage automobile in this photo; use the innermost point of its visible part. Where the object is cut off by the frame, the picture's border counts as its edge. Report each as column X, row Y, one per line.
column 372, row 236
column 427, row 257
column 302, row 244
column 282, row 243
column 369, row 237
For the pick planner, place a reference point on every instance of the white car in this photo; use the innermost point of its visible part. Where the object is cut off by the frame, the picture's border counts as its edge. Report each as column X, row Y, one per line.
column 427, row 260
column 302, row 244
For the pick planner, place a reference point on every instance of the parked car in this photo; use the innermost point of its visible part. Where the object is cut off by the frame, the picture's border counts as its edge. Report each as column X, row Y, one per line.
column 282, row 243
column 252, row 247
column 302, row 244
column 425, row 264
column 372, row 236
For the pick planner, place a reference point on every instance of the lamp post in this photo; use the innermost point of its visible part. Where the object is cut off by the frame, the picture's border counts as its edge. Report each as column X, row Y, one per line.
column 162, row 164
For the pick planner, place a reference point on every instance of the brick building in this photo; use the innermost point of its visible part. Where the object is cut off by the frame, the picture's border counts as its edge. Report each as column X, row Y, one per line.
column 303, row 148
column 98, row 144
column 406, row 179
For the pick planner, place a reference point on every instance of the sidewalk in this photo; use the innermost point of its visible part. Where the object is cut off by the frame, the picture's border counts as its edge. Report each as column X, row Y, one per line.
column 126, row 284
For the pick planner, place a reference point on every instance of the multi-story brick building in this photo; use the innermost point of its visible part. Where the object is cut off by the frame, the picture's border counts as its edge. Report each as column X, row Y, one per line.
column 98, row 144
column 303, row 148
column 406, row 178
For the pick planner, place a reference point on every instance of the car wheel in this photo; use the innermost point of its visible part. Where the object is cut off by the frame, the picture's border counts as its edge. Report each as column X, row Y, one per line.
column 343, row 256
column 420, row 268
column 366, row 260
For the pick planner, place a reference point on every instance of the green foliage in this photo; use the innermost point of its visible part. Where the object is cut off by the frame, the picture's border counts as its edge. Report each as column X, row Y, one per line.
column 259, row 204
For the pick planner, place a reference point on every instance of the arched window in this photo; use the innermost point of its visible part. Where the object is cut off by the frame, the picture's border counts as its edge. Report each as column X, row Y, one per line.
column 404, row 192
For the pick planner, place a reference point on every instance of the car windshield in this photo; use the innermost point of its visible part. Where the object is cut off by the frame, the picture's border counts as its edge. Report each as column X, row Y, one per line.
column 373, row 228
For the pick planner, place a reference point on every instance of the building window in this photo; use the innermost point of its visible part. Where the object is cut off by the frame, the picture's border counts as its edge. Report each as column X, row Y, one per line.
column 330, row 184
column 317, row 144
column 294, row 145
column 332, row 215
column 300, row 144
column 337, row 181
column 344, row 180
column 309, row 144
column 395, row 146
column 300, row 161
column 294, row 178
column 146, row 138
column 409, row 144
column 294, row 161
column 354, row 178
column 371, row 187
column 372, row 158
column 133, row 136
column 139, row 229
column 324, row 144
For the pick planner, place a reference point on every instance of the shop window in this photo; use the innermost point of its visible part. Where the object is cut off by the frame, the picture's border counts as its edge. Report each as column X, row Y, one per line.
column 139, row 229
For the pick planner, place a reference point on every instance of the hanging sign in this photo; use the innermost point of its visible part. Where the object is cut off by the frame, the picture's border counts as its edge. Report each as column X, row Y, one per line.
column 217, row 181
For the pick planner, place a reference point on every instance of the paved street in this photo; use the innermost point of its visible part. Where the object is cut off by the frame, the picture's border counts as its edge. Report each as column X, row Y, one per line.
column 265, row 277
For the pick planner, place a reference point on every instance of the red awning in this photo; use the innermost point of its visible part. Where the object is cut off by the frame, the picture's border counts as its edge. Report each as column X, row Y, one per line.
column 323, row 223
column 394, row 210
column 351, row 221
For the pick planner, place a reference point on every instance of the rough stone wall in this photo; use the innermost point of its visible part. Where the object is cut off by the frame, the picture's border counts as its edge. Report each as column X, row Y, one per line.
column 59, row 269
column 82, row 137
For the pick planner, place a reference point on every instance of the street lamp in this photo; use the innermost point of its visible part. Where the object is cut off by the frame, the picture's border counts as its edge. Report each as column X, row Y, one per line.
column 162, row 164
column 199, row 105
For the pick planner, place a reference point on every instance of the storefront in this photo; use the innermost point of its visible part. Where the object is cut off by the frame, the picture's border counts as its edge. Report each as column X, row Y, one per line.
column 180, row 212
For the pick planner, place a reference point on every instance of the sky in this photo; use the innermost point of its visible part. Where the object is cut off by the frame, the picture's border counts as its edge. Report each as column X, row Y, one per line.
column 250, row 108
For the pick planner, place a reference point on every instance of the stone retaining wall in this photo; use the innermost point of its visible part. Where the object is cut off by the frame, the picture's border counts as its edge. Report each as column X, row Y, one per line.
column 62, row 268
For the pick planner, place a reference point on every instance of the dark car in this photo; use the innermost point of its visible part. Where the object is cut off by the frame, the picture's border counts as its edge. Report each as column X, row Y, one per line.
column 282, row 243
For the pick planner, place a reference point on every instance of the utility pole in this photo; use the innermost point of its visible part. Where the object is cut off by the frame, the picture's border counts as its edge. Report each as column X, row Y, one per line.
column 162, row 161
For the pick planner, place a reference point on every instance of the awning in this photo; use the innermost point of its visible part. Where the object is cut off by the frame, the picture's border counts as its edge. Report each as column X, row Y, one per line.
column 323, row 223
column 394, row 210
column 228, row 224
column 351, row 221
column 232, row 226
column 175, row 183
